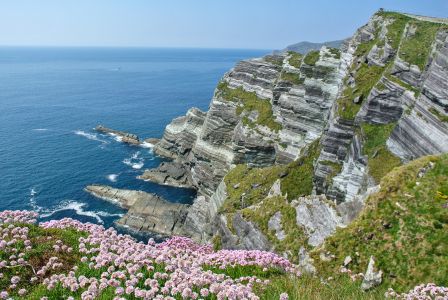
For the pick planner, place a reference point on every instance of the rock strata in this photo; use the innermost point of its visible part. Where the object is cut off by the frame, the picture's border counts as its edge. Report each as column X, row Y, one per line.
column 146, row 212
column 368, row 107
column 169, row 173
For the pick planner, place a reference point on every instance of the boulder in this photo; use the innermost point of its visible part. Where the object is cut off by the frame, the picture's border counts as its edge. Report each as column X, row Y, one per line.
column 371, row 277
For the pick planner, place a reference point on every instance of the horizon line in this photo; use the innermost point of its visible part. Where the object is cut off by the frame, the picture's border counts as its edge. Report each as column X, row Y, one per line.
column 135, row 47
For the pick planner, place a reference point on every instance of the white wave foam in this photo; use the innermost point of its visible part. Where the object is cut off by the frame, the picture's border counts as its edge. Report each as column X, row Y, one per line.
column 32, row 201
column 147, row 145
column 106, row 214
column 138, row 166
column 135, row 161
column 90, row 136
column 77, row 207
column 116, row 137
column 112, row 177
column 40, row 129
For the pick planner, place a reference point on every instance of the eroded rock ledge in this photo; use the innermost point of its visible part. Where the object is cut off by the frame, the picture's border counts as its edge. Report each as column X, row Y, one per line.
column 146, row 212
column 169, row 173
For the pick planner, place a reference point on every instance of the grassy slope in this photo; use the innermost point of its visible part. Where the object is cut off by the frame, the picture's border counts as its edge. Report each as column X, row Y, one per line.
column 404, row 226
column 380, row 160
column 299, row 171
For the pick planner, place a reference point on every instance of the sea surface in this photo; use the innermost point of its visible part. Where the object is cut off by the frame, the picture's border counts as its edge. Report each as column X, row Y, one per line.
column 52, row 98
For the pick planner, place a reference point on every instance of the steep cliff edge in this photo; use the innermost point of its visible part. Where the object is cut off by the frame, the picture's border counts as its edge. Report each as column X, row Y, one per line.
column 292, row 144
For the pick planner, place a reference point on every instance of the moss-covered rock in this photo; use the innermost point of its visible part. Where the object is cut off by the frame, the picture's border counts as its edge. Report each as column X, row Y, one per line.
column 250, row 102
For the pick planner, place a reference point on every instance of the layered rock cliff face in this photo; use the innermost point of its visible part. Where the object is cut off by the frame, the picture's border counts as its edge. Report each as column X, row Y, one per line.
column 392, row 105
column 292, row 145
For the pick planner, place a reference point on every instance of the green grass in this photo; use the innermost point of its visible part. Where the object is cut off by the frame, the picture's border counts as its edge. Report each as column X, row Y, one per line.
column 292, row 77
column 365, row 78
column 299, row 181
column 416, row 48
column 312, row 57
column 312, row 288
column 395, row 30
column 365, row 47
column 246, row 177
column 380, row 86
column 295, row 59
column 380, row 160
column 404, row 225
column 439, row 115
column 335, row 52
column 250, row 102
column 274, row 59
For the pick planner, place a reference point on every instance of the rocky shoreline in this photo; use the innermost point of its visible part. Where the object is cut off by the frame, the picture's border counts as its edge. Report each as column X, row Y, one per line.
column 146, row 212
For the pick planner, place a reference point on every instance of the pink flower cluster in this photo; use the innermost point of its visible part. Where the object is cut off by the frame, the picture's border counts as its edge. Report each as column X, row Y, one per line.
column 14, row 245
column 177, row 267
column 428, row 291
column 18, row 216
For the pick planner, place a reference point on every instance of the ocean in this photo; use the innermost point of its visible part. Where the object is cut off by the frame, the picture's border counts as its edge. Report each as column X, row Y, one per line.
column 52, row 98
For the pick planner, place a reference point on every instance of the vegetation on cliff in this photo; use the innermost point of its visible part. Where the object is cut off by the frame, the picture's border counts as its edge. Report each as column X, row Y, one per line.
column 249, row 101
column 404, row 226
column 380, row 159
column 295, row 59
column 247, row 186
column 312, row 57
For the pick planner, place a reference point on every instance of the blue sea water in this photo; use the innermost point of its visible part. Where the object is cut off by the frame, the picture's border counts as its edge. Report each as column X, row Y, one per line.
column 52, row 98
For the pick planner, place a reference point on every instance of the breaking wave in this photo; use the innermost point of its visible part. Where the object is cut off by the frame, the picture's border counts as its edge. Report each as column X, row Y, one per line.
column 112, row 177
column 135, row 161
column 71, row 205
column 90, row 136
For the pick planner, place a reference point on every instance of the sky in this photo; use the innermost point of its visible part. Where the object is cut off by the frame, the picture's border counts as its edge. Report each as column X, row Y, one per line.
column 252, row 24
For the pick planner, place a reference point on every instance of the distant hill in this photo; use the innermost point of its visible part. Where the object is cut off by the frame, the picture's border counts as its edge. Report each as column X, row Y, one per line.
column 305, row 47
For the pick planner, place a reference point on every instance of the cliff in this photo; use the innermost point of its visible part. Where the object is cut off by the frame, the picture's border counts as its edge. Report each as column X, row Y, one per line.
column 330, row 123
column 292, row 145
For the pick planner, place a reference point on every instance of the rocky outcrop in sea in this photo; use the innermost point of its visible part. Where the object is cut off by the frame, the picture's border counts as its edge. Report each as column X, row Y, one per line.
column 125, row 137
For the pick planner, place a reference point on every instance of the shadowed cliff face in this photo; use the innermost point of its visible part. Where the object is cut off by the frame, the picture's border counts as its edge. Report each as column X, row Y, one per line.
column 323, row 128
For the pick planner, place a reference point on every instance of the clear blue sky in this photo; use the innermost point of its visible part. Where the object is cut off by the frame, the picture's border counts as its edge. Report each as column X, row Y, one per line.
column 263, row 24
